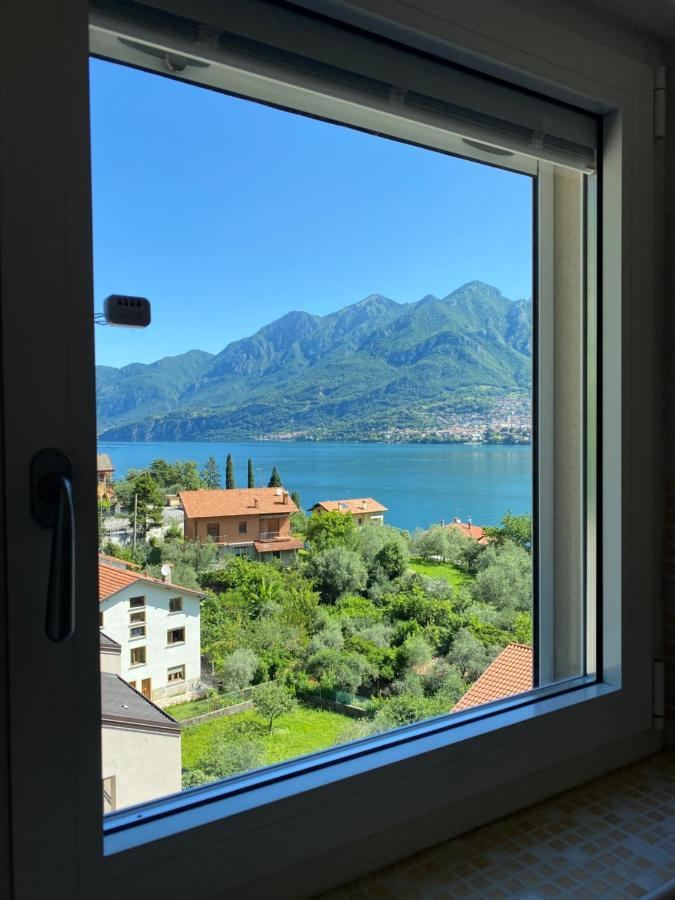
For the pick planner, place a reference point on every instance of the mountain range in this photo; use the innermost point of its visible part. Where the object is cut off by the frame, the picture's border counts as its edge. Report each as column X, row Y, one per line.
column 369, row 367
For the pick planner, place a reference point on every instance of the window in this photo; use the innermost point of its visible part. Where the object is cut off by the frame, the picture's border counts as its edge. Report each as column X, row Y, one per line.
column 176, row 673
column 100, row 620
column 138, row 656
column 492, row 752
column 487, row 361
column 136, row 631
column 133, row 684
column 136, row 602
column 137, row 616
column 175, row 604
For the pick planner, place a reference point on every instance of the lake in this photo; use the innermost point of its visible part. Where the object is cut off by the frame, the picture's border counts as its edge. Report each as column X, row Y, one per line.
column 419, row 483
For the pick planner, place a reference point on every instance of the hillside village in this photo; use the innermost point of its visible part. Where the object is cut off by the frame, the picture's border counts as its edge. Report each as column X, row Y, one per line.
column 224, row 612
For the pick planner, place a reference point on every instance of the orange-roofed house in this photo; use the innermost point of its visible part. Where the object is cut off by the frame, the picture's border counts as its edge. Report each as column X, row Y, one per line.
column 157, row 625
column 470, row 530
column 363, row 510
column 509, row 674
column 251, row 522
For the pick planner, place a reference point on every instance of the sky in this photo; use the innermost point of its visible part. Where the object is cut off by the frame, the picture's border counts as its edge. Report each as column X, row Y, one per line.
column 226, row 214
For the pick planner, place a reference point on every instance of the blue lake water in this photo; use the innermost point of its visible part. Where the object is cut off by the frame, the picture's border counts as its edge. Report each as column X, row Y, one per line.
column 419, row 483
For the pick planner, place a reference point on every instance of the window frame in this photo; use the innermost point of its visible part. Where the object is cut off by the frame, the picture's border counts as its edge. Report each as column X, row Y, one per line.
column 179, row 601
column 134, row 651
column 170, row 631
column 436, row 784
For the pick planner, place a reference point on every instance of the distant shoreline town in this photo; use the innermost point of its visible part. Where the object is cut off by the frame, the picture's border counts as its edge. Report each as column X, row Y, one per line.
column 509, row 421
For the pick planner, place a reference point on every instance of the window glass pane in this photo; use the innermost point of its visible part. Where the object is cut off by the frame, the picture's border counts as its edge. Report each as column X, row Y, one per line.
column 328, row 436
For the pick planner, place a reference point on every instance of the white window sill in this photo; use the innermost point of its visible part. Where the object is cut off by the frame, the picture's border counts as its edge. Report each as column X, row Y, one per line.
column 387, row 757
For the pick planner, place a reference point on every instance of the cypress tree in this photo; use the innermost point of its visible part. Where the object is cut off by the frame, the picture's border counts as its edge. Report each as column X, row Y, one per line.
column 251, row 475
column 275, row 478
column 229, row 473
column 295, row 497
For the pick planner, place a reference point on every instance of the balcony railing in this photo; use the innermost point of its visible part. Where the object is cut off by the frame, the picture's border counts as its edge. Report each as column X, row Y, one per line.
column 268, row 535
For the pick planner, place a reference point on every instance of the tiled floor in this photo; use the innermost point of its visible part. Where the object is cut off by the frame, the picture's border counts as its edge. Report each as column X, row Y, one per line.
column 613, row 837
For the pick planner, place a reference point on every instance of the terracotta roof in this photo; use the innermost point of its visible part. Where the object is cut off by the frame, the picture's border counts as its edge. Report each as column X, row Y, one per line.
column 236, row 502
column 111, row 580
column 104, row 463
column 353, row 506
column 276, row 546
column 510, row 673
column 123, row 705
column 470, row 530
column 125, row 562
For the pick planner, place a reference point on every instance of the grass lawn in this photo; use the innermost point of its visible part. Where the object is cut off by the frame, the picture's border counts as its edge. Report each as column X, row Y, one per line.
column 303, row 731
column 441, row 570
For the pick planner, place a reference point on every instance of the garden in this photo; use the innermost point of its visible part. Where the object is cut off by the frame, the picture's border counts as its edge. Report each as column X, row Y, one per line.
column 400, row 623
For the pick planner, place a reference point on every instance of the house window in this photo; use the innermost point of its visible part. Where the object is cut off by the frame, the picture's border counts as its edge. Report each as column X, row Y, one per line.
column 137, row 616
column 176, row 673
column 175, row 604
column 138, row 656
column 243, row 527
column 213, row 531
column 136, row 631
column 175, row 636
column 109, row 790
column 136, row 602
column 100, row 620
column 133, row 684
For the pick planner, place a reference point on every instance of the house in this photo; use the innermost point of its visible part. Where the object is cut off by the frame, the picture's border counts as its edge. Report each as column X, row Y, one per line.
column 157, row 625
column 252, row 522
column 104, row 476
column 140, row 744
column 476, row 532
column 509, row 674
column 364, row 511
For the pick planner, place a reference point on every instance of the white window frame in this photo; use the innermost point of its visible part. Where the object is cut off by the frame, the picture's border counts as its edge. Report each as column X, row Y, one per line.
column 398, row 799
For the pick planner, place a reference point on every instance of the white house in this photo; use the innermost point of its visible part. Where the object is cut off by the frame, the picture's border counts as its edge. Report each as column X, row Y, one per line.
column 140, row 744
column 156, row 624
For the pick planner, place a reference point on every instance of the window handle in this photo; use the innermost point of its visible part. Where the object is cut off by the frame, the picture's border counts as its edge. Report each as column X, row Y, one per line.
column 53, row 507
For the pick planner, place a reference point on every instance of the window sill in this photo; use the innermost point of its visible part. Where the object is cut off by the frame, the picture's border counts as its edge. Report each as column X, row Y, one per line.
column 177, row 644
column 386, row 757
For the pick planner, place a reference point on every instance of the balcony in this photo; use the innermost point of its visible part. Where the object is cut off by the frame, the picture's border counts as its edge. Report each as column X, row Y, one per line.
column 268, row 536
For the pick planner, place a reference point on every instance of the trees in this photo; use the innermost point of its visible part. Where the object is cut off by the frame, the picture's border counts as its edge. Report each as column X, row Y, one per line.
column 295, row 497
column 275, row 478
column 330, row 529
column 339, row 670
column 211, row 474
column 432, row 544
column 251, row 474
column 273, row 700
column 392, row 560
column 516, row 529
column 142, row 498
column 229, row 473
column 504, row 579
column 469, row 655
column 238, row 669
column 337, row 571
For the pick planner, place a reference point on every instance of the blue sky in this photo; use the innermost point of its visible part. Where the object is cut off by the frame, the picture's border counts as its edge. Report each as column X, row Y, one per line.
column 227, row 214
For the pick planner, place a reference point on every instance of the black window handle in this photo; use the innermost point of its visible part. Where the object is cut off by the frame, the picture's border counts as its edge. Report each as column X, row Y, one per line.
column 52, row 507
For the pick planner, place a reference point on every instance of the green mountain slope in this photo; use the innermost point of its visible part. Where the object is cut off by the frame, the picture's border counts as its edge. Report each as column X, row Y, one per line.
column 373, row 365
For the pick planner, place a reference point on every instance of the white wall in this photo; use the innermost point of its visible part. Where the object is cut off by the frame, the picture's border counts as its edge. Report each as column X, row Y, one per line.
column 146, row 764
column 110, row 662
column 158, row 620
